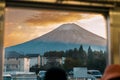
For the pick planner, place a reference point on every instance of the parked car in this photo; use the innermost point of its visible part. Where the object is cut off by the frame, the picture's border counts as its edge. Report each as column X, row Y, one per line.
column 7, row 77
column 42, row 74
column 95, row 73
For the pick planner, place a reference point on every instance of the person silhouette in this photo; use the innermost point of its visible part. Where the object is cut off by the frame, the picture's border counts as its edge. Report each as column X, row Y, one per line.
column 112, row 72
column 55, row 73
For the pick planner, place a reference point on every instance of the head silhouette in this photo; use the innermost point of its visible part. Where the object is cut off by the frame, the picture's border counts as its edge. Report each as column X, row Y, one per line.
column 55, row 73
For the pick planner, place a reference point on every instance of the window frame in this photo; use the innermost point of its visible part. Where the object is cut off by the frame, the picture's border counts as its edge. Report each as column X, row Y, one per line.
column 56, row 6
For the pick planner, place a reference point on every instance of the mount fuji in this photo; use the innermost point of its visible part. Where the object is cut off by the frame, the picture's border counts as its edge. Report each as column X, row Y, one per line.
column 67, row 36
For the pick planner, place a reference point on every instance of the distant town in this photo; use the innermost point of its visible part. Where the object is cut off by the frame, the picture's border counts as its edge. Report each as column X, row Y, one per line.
column 68, row 59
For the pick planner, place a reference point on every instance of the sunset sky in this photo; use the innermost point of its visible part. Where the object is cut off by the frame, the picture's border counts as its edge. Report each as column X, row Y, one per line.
column 22, row 25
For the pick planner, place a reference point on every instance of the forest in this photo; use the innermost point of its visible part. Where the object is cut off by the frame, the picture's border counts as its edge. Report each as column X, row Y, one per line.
column 76, row 57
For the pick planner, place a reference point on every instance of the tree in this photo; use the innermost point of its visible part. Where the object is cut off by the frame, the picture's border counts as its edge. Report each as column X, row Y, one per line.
column 82, row 56
column 35, row 69
column 70, row 63
column 90, row 59
column 90, row 52
column 54, row 54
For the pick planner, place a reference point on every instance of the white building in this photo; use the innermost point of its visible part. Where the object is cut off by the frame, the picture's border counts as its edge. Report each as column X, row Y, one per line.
column 24, row 64
column 17, row 64
column 34, row 59
column 43, row 60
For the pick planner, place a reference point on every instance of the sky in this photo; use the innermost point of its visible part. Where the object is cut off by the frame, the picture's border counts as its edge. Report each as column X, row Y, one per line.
column 22, row 25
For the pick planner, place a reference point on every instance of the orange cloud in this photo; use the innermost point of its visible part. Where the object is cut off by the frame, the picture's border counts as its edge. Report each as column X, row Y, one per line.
column 52, row 17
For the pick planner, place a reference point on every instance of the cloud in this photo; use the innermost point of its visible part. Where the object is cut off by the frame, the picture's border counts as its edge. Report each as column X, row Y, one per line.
column 45, row 18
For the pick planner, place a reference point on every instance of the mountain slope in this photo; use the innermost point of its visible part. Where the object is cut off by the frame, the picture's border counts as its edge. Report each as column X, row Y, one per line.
column 72, row 33
column 66, row 36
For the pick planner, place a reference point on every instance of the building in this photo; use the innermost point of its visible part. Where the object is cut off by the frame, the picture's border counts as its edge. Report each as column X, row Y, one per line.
column 54, row 61
column 34, row 59
column 43, row 60
column 17, row 64
column 23, row 63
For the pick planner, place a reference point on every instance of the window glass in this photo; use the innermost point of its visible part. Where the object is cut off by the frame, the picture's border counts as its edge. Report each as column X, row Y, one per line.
column 37, row 39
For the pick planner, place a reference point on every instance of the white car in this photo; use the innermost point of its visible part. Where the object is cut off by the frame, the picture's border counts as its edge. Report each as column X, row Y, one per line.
column 95, row 73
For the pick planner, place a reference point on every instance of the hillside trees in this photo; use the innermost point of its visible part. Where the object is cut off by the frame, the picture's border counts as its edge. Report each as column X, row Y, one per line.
column 96, row 59
column 78, row 57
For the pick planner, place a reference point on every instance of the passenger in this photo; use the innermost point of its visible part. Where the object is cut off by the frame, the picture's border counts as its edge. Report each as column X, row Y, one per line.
column 112, row 72
column 55, row 74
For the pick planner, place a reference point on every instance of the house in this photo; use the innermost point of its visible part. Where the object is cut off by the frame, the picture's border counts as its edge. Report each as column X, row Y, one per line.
column 17, row 64
column 15, row 61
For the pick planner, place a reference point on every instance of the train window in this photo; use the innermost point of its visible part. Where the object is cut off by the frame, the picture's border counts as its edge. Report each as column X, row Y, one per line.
column 44, row 36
